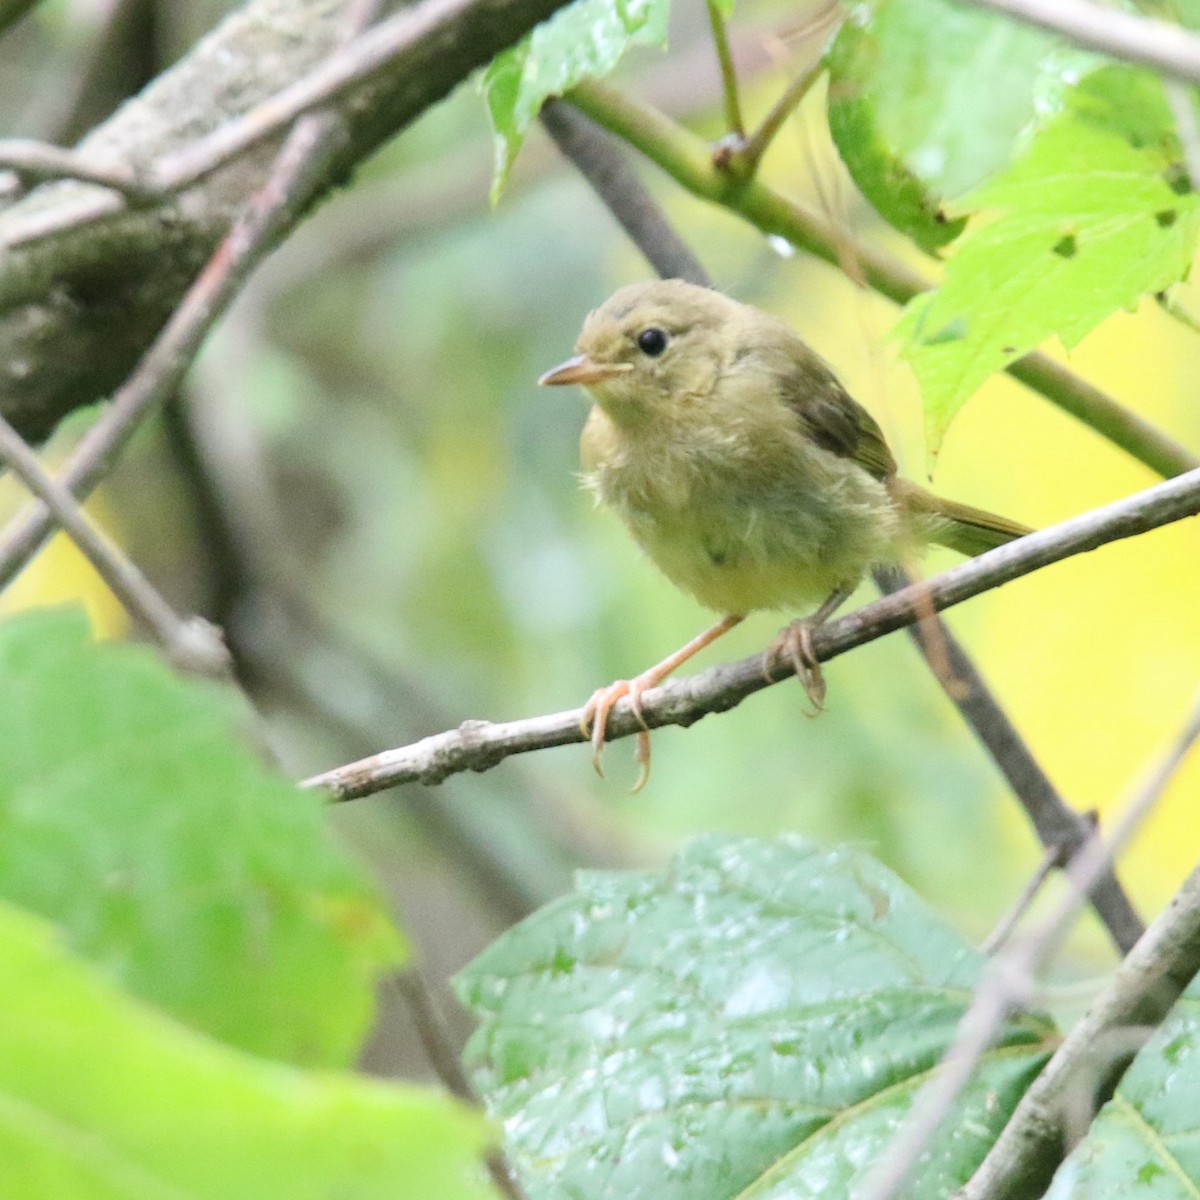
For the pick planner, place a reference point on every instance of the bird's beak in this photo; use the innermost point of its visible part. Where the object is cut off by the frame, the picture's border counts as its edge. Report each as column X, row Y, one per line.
column 582, row 369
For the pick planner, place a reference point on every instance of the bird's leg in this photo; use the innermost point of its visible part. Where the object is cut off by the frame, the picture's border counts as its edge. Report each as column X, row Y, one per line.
column 796, row 641
column 596, row 710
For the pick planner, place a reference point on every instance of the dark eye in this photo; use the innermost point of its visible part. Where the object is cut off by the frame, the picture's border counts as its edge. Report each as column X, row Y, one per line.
column 652, row 341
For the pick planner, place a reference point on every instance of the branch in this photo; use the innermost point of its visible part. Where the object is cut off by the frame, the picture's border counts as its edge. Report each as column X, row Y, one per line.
column 266, row 217
column 602, row 164
column 480, row 745
column 1143, row 40
column 443, row 1058
column 77, row 309
column 31, row 162
column 688, row 160
column 191, row 644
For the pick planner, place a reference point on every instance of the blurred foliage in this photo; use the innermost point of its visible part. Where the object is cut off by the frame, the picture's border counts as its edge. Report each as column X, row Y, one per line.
column 136, row 817
column 107, row 1099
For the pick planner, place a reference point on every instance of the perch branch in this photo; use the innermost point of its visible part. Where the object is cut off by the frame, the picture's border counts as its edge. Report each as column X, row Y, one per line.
column 480, row 745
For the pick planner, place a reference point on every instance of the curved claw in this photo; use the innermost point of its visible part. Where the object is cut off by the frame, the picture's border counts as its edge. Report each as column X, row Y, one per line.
column 594, row 722
column 797, row 643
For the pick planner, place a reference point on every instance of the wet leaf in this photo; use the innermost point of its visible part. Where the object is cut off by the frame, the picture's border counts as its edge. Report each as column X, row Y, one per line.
column 1144, row 1142
column 758, row 1016
column 1089, row 219
column 585, row 40
column 927, row 99
column 137, row 817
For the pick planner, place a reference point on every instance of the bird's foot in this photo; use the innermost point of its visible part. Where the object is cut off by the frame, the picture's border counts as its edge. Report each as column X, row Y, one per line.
column 795, row 641
column 594, row 721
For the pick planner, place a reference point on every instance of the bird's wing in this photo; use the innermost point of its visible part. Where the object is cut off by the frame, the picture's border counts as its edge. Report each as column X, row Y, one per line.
column 833, row 418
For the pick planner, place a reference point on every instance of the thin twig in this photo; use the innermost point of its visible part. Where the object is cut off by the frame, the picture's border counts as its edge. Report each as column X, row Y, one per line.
column 1059, row 827
column 26, row 161
column 1009, row 983
column 435, row 1040
column 1052, row 857
column 1143, row 40
column 749, row 155
column 480, row 745
column 729, row 82
column 601, row 162
column 192, row 644
column 688, row 160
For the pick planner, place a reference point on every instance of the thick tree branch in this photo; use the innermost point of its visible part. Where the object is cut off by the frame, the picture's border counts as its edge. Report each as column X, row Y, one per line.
column 300, row 170
column 78, row 308
column 688, row 160
column 480, row 745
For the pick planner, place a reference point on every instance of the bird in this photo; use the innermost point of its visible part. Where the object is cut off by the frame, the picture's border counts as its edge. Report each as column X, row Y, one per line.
column 744, row 470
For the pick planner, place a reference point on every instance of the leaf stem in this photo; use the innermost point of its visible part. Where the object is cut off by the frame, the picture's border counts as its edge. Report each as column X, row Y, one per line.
column 729, row 83
column 687, row 159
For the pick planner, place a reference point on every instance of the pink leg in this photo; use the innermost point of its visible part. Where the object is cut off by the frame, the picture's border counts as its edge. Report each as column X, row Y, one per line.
column 595, row 712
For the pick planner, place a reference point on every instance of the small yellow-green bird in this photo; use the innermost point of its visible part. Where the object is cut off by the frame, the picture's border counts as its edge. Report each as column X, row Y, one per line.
column 744, row 469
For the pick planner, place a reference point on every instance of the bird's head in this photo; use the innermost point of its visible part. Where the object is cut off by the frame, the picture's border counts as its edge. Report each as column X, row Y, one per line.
column 650, row 349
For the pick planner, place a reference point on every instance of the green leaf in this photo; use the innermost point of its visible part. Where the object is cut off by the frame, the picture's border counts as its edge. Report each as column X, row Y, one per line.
column 1144, row 1142
column 927, row 99
column 756, row 1019
column 136, row 817
column 1085, row 222
column 585, row 40
column 102, row 1098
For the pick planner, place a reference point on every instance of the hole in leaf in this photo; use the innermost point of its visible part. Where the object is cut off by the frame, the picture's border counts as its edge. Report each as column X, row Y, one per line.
column 1065, row 247
column 1166, row 218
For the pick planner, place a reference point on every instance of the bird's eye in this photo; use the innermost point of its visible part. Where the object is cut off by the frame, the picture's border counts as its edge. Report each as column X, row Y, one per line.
column 652, row 341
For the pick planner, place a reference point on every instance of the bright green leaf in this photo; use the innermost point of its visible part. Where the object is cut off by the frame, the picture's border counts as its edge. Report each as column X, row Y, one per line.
column 756, row 1019
column 101, row 1098
column 1082, row 224
column 137, row 817
column 1145, row 1142
column 927, row 99
column 585, row 40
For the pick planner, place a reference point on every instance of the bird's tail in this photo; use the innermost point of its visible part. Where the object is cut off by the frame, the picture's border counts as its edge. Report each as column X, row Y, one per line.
column 968, row 530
